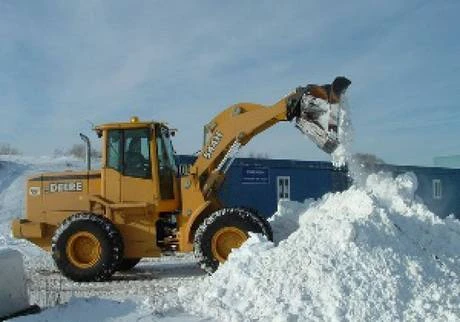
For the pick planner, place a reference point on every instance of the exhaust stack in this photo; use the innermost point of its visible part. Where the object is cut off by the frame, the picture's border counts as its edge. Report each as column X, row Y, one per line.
column 88, row 150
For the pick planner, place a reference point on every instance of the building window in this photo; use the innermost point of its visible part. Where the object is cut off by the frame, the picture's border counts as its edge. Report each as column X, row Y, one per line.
column 437, row 189
column 284, row 187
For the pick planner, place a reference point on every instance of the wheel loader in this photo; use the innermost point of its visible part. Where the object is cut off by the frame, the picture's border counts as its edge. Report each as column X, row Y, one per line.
column 97, row 222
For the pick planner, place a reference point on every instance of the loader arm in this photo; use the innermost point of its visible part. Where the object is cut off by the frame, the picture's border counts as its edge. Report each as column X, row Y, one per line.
column 238, row 124
column 235, row 127
column 229, row 131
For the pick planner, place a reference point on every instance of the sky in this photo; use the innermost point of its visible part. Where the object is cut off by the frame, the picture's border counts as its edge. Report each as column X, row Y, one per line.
column 67, row 64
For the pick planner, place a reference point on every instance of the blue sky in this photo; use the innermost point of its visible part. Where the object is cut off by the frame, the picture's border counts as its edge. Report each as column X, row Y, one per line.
column 65, row 63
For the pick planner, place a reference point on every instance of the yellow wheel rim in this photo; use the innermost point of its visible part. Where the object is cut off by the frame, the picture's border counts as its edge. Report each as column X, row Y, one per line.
column 83, row 249
column 224, row 240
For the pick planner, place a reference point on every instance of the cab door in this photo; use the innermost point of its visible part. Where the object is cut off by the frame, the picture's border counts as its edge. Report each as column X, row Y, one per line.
column 137, row 184
column 166, row 171
column 111, row 171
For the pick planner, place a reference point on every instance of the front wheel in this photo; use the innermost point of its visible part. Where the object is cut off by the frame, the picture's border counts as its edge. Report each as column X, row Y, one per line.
column 223, row 231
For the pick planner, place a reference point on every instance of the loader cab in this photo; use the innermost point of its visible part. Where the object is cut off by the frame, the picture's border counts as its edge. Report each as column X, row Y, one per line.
column 138, row 164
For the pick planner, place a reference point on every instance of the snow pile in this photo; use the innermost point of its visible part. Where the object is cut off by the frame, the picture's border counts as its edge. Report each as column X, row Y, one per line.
column 368, row 253
column 286, row 218
column 13, row 294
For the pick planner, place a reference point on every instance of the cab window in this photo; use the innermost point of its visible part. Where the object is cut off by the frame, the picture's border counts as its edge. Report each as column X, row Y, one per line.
column 136, row 160
column 114, row 150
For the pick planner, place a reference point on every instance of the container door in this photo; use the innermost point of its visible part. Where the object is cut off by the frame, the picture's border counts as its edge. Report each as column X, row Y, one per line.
column 283, row 187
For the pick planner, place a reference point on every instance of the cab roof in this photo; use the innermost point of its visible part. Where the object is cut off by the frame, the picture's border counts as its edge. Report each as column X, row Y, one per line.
column 132, row 124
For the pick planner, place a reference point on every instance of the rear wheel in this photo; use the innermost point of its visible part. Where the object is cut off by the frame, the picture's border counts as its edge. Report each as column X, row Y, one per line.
column 87, row 247
column 222, row 231
column 128, row 264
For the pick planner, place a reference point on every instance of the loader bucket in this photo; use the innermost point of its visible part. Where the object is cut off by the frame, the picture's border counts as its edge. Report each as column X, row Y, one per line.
column 318, row 112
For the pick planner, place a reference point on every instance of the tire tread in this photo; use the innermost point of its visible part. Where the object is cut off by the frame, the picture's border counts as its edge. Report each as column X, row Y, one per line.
column 110, row 232
column 241, row 215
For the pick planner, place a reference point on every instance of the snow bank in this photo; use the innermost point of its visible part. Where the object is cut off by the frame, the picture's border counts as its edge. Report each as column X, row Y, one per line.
column 13, row 293
column 286, row 218
column 369, row 253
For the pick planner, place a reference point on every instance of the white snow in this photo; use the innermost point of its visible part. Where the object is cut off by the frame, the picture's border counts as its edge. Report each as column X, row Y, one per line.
column 342, row 155
column 98, row 309
column 286, row 219
column 369, row 253
column 13, row 294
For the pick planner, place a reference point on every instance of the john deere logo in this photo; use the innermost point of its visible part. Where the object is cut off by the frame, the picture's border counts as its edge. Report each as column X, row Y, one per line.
column 34, row 191
column 76, row 186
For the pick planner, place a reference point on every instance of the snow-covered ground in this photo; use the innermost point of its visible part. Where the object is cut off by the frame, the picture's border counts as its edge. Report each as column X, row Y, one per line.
column 373, row 252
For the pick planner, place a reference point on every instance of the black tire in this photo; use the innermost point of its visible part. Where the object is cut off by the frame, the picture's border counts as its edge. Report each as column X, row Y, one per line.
column 241, row 219
column 102, row 230
column 128, row 264
column 262, row 221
